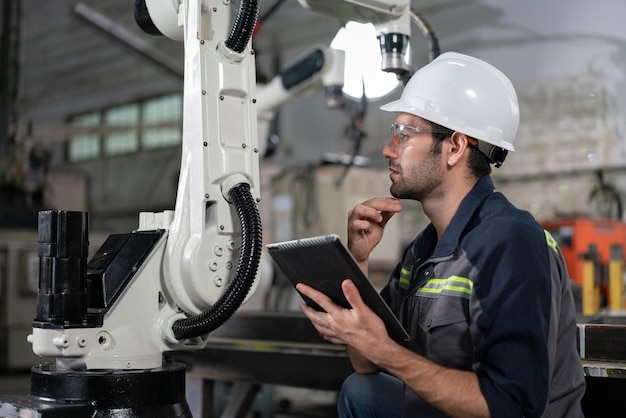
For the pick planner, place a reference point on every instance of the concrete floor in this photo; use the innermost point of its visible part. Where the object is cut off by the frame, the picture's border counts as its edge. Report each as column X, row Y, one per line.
column 280, row 402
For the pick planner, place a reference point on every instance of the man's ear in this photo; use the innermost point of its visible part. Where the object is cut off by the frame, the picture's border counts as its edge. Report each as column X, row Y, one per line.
column 458, row 144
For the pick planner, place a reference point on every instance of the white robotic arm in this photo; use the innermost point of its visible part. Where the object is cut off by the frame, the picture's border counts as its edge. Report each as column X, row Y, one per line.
column 183, row 273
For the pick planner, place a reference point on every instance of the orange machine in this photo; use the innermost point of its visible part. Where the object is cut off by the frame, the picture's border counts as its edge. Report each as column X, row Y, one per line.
column 585, row 241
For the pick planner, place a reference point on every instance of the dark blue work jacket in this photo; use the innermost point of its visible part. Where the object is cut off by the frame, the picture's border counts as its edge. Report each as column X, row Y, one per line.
column 493, row 296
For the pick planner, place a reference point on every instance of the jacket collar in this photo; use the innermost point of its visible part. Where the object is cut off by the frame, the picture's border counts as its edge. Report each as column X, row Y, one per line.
column 469, row 205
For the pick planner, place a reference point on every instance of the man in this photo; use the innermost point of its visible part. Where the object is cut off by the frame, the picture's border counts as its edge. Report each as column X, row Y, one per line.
column 483, row 291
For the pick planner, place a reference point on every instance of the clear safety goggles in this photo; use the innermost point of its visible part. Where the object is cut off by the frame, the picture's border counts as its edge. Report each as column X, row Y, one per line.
column 400, row 133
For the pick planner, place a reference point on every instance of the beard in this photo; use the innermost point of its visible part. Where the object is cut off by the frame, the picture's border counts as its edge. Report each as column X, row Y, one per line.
column 418, row 181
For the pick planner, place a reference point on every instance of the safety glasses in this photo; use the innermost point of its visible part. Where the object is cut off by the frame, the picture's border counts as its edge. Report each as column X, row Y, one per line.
column 401, row 134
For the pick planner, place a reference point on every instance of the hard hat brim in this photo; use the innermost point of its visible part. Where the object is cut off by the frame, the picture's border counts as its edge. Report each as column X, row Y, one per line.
column 395, row 106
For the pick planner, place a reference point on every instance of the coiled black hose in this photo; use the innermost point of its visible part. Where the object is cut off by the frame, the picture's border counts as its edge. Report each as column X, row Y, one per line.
column 249, row 259
column 244, row 24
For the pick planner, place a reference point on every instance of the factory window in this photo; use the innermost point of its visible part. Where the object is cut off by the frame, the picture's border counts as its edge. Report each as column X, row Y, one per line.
column 129, row 128
column 166, row 113
column 85, row 145
column 123, row 130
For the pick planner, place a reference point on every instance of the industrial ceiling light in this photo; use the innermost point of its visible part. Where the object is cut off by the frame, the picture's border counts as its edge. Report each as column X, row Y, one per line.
column 363, row 62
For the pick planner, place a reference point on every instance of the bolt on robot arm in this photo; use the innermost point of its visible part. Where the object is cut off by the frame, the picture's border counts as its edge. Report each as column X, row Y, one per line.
column 181, row 274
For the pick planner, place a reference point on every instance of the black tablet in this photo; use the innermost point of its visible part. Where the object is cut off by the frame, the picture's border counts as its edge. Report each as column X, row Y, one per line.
column 324, row 263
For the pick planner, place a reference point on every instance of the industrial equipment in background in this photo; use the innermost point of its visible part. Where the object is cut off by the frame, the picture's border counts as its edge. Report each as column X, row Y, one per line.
column 594, row 250
column 320, row 68
column 23, row 173
column 605, row 199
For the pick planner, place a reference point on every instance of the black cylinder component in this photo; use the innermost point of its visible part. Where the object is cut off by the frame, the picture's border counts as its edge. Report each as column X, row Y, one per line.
column 249, row 259
column 103, row 394
column 63, row 249
column 143, row 19
column 393, row 47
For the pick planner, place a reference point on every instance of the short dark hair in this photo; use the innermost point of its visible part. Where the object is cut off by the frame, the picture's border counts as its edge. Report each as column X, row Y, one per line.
column 478, row 162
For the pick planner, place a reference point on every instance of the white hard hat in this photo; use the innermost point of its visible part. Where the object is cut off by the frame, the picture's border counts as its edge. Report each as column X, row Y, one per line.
column 464, row 94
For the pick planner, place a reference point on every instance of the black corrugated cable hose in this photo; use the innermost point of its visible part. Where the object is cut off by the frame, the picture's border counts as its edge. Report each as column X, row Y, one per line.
column 249, row 259
column 244, row 25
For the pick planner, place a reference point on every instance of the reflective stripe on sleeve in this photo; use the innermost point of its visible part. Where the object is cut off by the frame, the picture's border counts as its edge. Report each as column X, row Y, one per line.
column 452, row 286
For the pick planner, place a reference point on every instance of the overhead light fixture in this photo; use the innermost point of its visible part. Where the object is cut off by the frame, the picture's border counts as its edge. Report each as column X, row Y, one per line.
column 363, row 62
